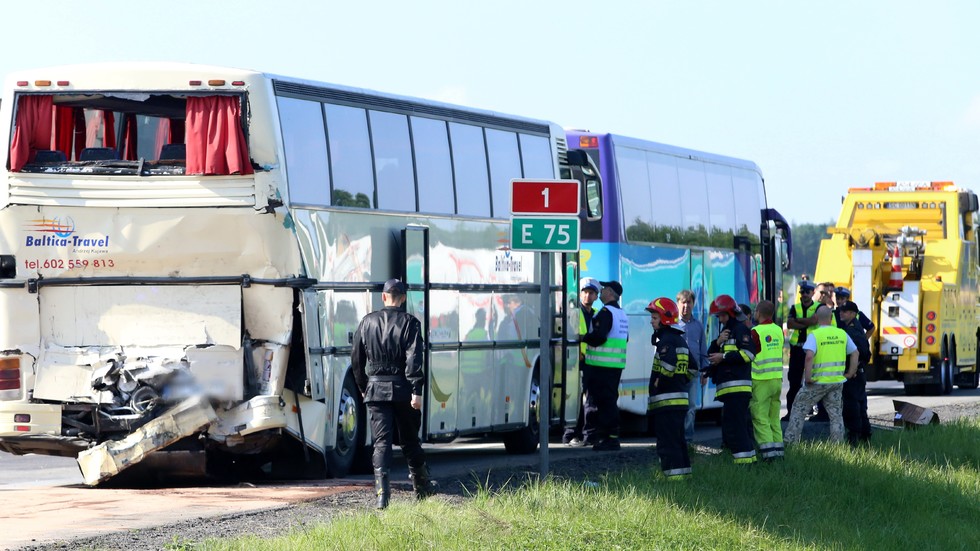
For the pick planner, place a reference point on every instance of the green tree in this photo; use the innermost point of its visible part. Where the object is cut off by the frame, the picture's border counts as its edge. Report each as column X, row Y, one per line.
column 806, row 246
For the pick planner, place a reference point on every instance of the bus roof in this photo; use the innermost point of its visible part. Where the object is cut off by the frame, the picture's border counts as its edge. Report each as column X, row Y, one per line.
column 673, row 150
column 159, row 75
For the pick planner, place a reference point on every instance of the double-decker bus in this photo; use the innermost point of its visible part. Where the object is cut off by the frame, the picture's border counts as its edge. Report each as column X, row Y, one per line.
column 186, row 250
column 678, row 219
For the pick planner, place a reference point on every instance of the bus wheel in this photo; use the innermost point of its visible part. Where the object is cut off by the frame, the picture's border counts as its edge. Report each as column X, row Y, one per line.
column 351, row 424
column 525, row 440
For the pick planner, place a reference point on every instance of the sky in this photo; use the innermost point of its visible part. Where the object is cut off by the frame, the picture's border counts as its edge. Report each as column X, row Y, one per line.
column 823, row 96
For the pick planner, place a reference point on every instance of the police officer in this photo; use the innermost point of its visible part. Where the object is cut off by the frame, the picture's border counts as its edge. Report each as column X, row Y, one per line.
column 843, row 295
column 827, row 349
column 855, row 397
column 605, row 356
column 387, row 365
column 588, row 293
column 669, row 384
column 767, row 382
column 730, row 357
column 800, row 318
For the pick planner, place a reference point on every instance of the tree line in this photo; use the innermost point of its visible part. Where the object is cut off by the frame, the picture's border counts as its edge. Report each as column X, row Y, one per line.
column 806, row 246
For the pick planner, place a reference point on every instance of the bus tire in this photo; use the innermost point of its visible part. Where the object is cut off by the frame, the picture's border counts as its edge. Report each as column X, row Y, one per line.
column 351, row 426
column 525, row 440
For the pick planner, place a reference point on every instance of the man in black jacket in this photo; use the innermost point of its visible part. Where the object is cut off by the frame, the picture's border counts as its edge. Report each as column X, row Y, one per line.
column 387, row 365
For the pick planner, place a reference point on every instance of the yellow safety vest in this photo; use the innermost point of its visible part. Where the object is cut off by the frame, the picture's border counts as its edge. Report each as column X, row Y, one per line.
column 830, row 359
column 794, row 334
column 768, row 363
column 611, row 353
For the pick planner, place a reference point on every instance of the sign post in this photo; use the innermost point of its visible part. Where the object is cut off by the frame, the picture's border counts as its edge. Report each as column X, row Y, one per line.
column 545, row 219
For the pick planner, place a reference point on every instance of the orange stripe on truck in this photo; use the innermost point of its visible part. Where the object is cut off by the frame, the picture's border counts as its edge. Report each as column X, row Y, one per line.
column 899, row 330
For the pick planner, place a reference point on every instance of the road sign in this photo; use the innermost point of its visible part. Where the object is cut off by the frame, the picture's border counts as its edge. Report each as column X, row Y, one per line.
column 560, row 197
column 549, row 234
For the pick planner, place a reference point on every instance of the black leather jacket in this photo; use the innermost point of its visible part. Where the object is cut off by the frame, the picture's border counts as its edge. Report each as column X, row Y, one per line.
column 387, row 356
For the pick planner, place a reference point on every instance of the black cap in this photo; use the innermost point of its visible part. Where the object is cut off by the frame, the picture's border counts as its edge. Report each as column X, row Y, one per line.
column 394, row 287
column 849, row 307
column 614, row 285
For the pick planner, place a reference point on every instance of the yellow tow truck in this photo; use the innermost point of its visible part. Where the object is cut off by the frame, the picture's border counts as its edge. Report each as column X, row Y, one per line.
column 909, row 253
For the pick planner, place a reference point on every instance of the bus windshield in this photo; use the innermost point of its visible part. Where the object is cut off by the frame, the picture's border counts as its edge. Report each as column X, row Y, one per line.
column 129, row 133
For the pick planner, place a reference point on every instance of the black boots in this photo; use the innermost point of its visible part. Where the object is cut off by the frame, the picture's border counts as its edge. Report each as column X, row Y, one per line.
column 421, row 483
column 382, row 487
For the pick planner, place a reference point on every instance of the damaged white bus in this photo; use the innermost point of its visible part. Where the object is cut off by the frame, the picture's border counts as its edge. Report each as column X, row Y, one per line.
column 186, row 250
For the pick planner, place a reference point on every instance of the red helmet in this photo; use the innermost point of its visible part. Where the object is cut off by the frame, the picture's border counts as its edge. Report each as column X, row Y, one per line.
column 666, row 308
column 724, row 303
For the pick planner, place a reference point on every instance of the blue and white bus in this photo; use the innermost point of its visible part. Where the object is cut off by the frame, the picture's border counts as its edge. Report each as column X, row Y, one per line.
column 678, row 219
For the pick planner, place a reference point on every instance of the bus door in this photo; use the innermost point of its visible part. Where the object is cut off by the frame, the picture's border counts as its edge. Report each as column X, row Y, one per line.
column 437, row 417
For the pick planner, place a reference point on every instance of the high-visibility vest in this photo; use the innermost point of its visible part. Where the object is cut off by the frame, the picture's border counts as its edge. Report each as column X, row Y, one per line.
column 611, row 353
column 830, row 359
column 796, row 335
column 768, row 363
column 583, row 328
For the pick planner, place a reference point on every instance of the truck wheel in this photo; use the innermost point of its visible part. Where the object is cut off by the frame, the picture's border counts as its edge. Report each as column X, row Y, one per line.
column 948, row 373
column 525, row 440
column 351, row 424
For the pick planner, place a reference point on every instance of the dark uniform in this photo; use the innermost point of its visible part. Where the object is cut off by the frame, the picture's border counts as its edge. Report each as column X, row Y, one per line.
column 669, row 385
column 855, row 396
column 733, row 388
column 797, row 357
column 605, row 357
column 387, row 364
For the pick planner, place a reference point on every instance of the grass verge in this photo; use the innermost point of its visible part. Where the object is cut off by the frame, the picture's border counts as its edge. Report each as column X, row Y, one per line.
column 915, row 489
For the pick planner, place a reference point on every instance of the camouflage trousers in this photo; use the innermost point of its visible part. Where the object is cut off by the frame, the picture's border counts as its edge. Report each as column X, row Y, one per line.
column 831, row 394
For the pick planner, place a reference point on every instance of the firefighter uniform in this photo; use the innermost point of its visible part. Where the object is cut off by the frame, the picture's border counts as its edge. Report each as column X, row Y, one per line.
column 767, row 385
column 669, row 400
column 733, row 382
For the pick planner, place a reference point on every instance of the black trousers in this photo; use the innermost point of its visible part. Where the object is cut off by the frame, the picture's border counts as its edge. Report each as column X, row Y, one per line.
column 671, row 444
column 856, row 408
column 736, row 428
column 601, row 411
column 797, row 358
column 386, row 417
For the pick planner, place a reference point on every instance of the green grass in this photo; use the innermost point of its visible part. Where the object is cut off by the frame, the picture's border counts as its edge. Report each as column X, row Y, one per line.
column 915, row 489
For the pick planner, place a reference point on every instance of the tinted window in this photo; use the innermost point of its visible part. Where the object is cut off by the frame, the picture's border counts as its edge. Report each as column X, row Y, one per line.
column 696, row 220
column 350, row 156
column 721, row 200
column 433, row 165
column 306, row 151
column 393, row 165
column 470, row 169
column 634, row 193
column 666, row 197
column 749, row 201
column 505, row 165
column 536, row 156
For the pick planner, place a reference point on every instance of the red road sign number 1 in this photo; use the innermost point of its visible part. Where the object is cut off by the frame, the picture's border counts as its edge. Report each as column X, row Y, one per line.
column 560, row 197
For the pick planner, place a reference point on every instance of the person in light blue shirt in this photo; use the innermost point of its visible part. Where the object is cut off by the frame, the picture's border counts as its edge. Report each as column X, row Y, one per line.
column 694, row 334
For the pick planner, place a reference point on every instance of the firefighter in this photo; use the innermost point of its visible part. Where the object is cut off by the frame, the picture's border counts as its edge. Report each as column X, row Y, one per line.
column 669, row 384
column 730, row 357
column 800, row 319
column 767, row 382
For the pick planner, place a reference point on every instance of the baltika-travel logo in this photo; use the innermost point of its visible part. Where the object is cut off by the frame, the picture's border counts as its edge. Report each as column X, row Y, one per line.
column 58, row 232
column 53, row 225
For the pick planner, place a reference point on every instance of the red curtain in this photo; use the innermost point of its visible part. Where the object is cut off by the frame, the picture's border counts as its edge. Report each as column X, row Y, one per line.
column 129, row 137
column 69, row 130
column 32, row 129
column 109, row 130
column 215, row 140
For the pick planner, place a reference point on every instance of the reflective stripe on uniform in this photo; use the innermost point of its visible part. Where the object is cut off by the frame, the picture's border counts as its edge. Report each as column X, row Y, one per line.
column 677, row 472
column 768, row 363
column 611, row 353
column 729, row 387
column 669, row 399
